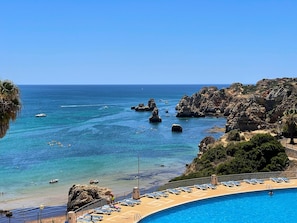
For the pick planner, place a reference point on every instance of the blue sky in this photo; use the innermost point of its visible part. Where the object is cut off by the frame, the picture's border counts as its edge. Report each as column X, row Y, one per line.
column 147, row 41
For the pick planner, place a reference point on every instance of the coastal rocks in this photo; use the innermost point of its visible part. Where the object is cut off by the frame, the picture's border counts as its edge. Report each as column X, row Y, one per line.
column 155, row 116
column 246, row 107
column 7, row 213
column 80, row 195
column 247, row 115
column 186, row 108
column 176, row 128
column 149, row 107
column 203, row 145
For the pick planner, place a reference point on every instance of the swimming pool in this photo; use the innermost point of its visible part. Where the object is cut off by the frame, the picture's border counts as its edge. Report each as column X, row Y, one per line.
column 251, row 207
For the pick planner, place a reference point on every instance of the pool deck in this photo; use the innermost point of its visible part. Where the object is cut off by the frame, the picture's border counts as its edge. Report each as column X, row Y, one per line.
column 152, row 205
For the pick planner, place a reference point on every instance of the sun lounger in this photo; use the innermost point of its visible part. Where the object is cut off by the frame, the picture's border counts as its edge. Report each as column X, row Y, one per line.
column 227, row 184
column 250, row 181
column 276, row 180
column 127, row 202
column 81, row 220
column 173, row 191
column 186, row 189
column 235, row 182
column 153, row 195
column 258, row 181
column 89, row 218
column 284, row 179
column 96, row 217
column 200, row 186
column 161, row 193
column 101, row 210
column 112, row 207
column 211, row 186
column 84, row 219
column 137, row 202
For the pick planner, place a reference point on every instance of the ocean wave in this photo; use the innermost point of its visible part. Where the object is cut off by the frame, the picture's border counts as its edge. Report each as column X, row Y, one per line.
column 78, row 106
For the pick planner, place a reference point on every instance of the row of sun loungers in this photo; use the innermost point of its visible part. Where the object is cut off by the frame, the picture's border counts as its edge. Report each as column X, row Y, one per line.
column 280, row 179
column 157, row 194
column 129, row 202
column 254, row 181
column 166, row 193
column 273, row 179
column 98, row 213
column 186, row 189
column 205, row 186
column 89, row 218
column 173, row 191
column 177, row 191
column 231, row 183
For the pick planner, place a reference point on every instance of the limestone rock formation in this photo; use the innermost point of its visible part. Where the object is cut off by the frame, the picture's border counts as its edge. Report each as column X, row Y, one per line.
column 176, row 128
column 203, row 145
column 155, row 116
column 246, row 107
column 80, row 195
column 149, row 107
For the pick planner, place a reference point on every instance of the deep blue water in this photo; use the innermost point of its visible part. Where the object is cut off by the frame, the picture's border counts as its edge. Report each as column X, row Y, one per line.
column 252, row 207
column 91, row 132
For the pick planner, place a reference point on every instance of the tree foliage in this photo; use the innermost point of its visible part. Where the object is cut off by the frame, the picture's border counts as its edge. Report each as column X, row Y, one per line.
column 290, row 117
column 263, row 153
column 10, row 105
column 233, row 135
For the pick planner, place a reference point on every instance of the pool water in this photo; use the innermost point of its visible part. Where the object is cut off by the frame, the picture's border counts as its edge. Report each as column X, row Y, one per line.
column 251, row 207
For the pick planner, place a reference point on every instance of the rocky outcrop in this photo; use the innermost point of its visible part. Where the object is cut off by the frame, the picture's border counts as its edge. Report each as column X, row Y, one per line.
column 155, row 116
column 176, row 128
column 203, row 145
column 80, row 195
column 149, row 107
column 246, row 107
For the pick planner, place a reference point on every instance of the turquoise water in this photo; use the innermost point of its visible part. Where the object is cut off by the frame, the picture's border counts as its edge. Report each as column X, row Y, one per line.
column 90, row 132
column 252, row 207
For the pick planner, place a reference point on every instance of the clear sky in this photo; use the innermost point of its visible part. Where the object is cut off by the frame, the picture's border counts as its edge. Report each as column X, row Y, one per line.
column 147, row 41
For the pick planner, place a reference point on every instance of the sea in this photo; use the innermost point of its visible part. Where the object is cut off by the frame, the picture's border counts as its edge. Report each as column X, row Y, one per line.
column 91, row 132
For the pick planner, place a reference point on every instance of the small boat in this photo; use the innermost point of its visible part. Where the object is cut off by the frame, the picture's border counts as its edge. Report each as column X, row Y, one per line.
column 40, row 115
column 54, row 181
column 94, row 181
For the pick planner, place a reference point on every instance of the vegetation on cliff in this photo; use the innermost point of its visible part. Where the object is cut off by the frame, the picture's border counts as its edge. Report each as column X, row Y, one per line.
column 262, row 153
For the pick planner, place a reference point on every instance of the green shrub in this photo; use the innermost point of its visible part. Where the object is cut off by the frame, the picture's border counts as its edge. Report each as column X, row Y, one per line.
column 261, row 154
column 233, row 135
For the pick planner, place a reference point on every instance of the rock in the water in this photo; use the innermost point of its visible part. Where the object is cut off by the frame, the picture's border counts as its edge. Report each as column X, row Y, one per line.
column 176, row 128
column 149, row 107
column 155, row 116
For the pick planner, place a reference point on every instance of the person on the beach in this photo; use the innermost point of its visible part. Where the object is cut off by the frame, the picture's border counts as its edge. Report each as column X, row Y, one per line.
column 112, row 198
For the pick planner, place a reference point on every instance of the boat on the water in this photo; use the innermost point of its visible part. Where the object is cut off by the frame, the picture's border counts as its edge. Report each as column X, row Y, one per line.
column 54, row 181
column 40, row 115
column 95, row 181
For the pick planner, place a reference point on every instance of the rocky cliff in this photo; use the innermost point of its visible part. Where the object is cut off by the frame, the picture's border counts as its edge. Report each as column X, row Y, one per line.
column 246, row 107
column 80, row 195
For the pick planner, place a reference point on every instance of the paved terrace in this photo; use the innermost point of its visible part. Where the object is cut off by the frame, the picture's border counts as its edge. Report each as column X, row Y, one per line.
column 150, row 205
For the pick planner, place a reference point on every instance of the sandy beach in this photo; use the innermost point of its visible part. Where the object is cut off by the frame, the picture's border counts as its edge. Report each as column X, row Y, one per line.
column 149, row 205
